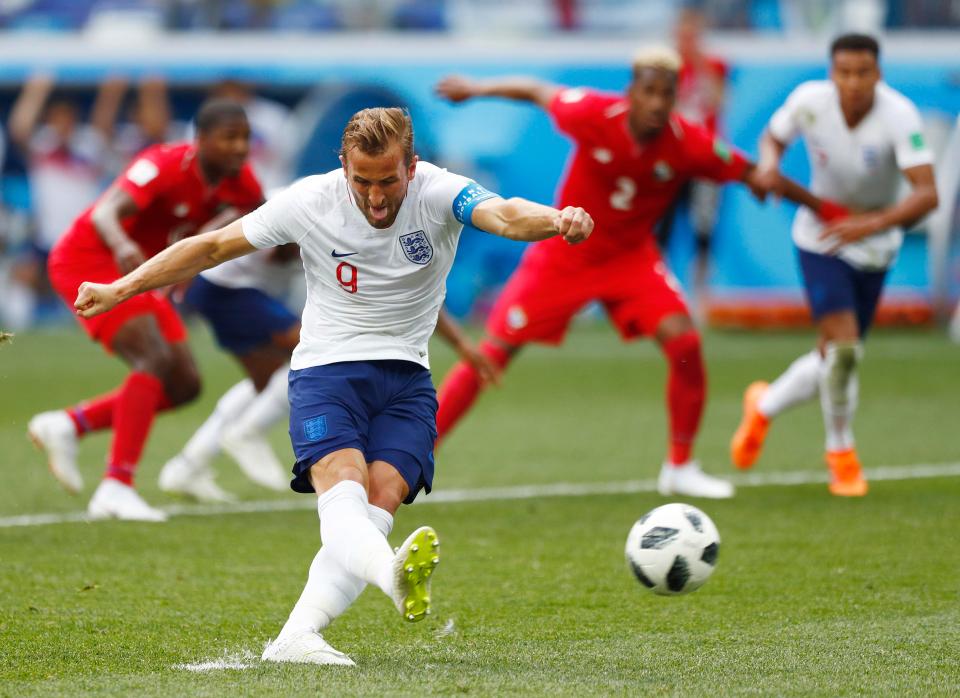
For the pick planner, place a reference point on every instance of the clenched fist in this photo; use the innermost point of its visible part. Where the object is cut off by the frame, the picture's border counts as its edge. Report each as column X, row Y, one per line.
column 456, row 88
column 574, row 224
column 94, row 299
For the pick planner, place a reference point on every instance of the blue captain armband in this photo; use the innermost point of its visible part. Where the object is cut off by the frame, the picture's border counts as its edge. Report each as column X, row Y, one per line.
column 467, row 200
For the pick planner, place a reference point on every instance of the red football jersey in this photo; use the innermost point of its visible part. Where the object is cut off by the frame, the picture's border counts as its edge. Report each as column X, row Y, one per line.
column 626, row 186
column 173, row 198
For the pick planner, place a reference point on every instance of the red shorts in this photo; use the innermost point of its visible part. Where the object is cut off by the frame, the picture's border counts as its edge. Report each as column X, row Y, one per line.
column 543, row 294
column 68, row 271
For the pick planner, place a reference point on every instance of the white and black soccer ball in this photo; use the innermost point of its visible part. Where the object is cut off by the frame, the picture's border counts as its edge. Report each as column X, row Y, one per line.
column 673, row 549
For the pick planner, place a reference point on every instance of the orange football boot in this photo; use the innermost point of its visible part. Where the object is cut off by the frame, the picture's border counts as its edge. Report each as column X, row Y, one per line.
column 748, row 439
column 846, row 475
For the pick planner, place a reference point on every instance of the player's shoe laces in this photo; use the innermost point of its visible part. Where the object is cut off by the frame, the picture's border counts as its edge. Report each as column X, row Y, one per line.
column 690, row 481
column 846, row 475
column 256, row 459
column 304, row 647
column 413, row 566
column 115, row 500
column 54, row 434
column 180, row 476
column 747, row 441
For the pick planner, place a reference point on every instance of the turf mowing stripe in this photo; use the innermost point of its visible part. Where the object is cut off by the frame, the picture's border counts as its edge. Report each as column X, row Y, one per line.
column 482, row 494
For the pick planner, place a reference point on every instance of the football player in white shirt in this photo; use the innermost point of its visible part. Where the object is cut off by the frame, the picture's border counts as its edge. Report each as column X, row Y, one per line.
column 377, row 239
column 862, row 137
column 242, row 300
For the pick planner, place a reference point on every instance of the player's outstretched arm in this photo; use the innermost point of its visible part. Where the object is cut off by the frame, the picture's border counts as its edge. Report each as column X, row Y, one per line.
column 921, row 200
column 527, row 221
column 177, row 263
column 457, row 88
column 765, row 177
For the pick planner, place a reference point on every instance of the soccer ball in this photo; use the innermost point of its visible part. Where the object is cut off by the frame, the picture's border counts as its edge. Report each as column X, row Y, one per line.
column 673, row 549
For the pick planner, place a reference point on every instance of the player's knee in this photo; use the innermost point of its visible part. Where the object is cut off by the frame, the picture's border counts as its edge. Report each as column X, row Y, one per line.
column 156, row 359
column 185, row 388
column 684, row 348
column 674, row 327
column 839, row 366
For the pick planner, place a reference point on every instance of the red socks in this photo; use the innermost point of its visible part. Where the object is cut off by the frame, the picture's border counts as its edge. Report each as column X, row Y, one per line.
column 94, row 414
column 686, row 392
column 97, row 413
column 134, row 405
column 461, row 387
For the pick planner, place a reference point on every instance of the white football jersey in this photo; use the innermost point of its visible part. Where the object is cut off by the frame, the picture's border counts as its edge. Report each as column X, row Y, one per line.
column 859, row 168
column 257, row 270
column 371, row 293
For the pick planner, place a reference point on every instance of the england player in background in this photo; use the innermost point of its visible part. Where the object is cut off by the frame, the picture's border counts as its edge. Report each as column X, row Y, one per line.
column 243, row 301
column 860, row 135
column 377, row 240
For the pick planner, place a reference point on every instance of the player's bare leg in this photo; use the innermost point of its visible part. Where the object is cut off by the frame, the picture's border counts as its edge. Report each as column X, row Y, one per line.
column 463, row 384
column 161, row 372
column 842, row 351
column 686, row 392
column 355, row 553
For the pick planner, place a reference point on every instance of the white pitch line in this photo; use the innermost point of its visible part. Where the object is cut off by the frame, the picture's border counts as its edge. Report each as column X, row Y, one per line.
column 486, row 494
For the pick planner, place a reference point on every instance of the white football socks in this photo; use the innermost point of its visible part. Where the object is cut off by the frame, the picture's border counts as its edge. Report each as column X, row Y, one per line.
column 353, row 539
column 267, row 408
column 839, row 392
column 204, row 445
column 797, row 384
column 330, row 589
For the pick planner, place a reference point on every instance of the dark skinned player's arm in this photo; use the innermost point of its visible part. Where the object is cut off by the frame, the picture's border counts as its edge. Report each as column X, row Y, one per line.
column 457, row 88
column 111, row 208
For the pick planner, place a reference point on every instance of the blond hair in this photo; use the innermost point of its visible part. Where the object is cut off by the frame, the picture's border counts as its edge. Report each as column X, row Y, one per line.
column 372, row 131
column 658, row 57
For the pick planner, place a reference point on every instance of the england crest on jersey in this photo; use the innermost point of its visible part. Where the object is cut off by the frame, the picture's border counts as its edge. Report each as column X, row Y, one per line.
column 416, row 246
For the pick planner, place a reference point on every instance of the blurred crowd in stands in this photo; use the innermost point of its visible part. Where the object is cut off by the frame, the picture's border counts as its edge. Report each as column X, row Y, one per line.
column 505, row 16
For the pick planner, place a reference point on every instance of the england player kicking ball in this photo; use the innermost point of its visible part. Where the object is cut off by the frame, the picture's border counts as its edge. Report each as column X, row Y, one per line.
column 377, row 240
column 861, row 135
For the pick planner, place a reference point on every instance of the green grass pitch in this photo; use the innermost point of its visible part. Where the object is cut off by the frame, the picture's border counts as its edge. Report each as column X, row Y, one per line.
column 812, row 595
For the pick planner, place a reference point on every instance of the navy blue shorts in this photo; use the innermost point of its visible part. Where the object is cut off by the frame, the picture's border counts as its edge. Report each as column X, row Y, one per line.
column 386, row 409
column 243, row 319
column 833, row 285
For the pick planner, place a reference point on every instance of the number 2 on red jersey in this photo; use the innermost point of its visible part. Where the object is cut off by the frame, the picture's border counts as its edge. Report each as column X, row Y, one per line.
column 621, row 198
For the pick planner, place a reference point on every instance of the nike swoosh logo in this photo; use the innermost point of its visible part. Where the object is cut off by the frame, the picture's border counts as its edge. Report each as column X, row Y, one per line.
column 342, row 254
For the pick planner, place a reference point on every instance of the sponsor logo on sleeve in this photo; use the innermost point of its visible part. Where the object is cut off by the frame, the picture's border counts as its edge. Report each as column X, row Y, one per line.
column 573, row 95
column 662, row 172
column 916, row 141
column 416, row 247
column 142, row 172
column 722, row 150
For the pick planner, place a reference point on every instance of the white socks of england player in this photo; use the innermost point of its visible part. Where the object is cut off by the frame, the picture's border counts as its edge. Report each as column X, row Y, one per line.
column 267, row 408
column 797, row 384
column 204, row 445
column 839, row 392
column 330, row 589
column 353, row 540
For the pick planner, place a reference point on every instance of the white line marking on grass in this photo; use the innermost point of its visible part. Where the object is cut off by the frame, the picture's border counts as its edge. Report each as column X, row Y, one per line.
column 486, row 494
column 242, row 660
